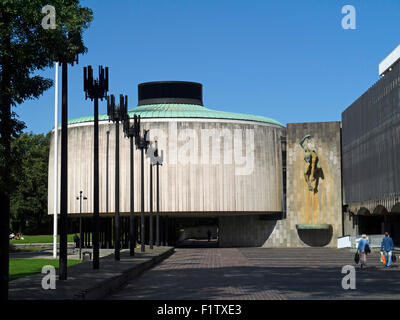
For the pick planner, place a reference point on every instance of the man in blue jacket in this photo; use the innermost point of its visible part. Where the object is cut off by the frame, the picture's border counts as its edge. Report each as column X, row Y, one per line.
column 361, row 250
column 387, row 246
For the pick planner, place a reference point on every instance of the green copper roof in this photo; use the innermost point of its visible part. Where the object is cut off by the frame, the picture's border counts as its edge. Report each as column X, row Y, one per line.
column 181, row 111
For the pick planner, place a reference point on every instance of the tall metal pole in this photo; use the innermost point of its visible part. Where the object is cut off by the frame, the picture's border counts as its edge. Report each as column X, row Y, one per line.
column 158, row 209
column 142, row 247
column 132, row 237
column 107, row 157
column 55, row 188
column 117, row 114
column 166, row 230
column 95, row 90
column 80, row 225
column 151, row 207
column 96, row 222
column 116, row 222
column 64, row 175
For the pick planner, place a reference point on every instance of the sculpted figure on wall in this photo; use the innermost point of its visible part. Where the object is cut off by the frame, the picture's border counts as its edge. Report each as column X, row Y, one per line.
column 313, row 170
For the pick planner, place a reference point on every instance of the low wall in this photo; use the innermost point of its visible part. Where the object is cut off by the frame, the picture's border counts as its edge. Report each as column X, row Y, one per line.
column 374, row 240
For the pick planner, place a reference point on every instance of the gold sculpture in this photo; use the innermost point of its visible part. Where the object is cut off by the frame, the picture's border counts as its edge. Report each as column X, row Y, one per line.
column 313, row 170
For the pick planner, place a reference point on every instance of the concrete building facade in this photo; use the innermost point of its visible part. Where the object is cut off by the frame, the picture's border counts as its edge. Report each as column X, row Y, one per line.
column 219, row 165
column 260, row 183
column 371, row 157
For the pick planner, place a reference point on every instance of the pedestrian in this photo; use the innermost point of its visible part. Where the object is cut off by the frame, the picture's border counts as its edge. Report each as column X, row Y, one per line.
column 387, row 247
column 76, row 240
column 361, row 250
column 208, row 235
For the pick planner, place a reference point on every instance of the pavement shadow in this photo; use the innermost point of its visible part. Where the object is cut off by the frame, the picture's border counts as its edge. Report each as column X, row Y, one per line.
column 254, row 282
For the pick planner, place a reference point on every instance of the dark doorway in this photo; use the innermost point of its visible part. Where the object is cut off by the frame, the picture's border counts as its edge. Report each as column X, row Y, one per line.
column 392, row 226
column 379, row 224
column 197, row 232
column 371, row 224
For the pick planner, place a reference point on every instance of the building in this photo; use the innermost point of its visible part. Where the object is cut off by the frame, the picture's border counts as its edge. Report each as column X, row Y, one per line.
column 219, row 168
column 248, row 179
column 371, row 156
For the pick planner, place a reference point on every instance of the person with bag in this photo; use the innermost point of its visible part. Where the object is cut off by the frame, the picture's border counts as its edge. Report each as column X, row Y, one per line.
column 382, row 259
column 387, row 247
column 361, row 250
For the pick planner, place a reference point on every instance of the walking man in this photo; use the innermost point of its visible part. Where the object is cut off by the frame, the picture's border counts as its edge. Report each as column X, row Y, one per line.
column 387, row 246
column 361, row 250
column 76, row 240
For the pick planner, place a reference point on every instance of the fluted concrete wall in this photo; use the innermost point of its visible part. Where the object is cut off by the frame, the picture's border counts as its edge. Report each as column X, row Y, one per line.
column 188, row 187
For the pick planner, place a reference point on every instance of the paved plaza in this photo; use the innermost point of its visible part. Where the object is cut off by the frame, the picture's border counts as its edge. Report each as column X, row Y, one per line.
column 84, row 283
column 261, row 274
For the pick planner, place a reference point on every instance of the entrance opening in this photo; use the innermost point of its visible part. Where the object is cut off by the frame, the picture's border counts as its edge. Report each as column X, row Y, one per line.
column 371, row 224
column 379, row 224
column 197, row 232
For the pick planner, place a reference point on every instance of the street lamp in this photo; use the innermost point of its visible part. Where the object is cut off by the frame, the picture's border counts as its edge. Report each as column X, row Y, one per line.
column 80, row 198
column 159, row 162
column 152, row 153
column 65, row 60
column 142, row 143
column 95, row 90
column 116, row 114
column 107, row 156
column 132, row 132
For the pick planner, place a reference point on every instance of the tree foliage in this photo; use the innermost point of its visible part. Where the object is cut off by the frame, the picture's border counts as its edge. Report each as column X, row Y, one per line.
column 29, row 197
column 25, row 47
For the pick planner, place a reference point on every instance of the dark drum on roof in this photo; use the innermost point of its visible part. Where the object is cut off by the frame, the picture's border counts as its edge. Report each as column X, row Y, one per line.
column 160, row 92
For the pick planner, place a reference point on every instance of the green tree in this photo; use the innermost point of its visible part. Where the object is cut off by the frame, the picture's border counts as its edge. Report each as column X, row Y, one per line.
column 29, row 200
column 25, row 47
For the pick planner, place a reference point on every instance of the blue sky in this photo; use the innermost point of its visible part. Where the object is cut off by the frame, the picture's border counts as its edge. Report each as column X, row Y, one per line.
column 288, row 60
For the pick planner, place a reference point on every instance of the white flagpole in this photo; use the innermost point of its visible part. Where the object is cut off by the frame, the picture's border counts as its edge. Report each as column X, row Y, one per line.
column 55, row 188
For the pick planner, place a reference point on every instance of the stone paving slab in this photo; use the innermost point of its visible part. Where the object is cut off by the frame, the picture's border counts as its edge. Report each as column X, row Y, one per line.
column 84, row 283
column 262, row 274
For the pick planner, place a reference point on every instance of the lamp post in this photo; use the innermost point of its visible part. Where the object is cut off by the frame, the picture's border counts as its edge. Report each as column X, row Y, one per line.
column 80, row 198
column 64, row 173
column 132, row 132
column 159, row 162
column 65, row 60
column 95, row 90
column 151, row 208
column 116, row 114
column 55, row 188
column 142, row 143
column 107, row 156
column 152, row 153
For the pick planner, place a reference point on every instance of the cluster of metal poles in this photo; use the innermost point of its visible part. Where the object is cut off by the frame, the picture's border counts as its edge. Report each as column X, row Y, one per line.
column 96, row 89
